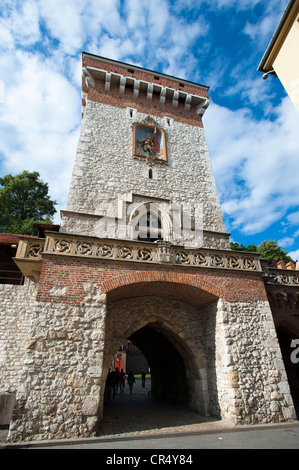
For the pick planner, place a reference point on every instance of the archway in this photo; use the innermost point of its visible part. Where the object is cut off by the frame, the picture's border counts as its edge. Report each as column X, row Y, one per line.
column 170, row 333
column 176, row 394
column 175, row 375
column 291, row 366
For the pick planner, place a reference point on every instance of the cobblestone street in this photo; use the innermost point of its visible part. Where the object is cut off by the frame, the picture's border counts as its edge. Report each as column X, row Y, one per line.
column 140, row 413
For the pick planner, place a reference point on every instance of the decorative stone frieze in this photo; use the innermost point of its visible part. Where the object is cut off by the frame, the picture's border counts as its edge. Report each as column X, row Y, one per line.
column 282, row 276
column 159, row 252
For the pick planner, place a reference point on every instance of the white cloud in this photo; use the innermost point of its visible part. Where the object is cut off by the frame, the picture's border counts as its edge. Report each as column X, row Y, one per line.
column 64, row 22
column 237, row 5
column 293, row 218
column 252, row 91
column 39, row 122
column 263, row 28
column 77, row 22
column 286, row 242
column 294, row 255
column 20, row 25
column 255, row 163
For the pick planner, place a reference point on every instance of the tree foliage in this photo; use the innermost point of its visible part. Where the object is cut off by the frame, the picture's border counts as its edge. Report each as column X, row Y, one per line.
column 24, row 200
column 266, row 249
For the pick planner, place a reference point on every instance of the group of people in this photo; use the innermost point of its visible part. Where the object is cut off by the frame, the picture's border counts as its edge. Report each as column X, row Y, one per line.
column 116, row 380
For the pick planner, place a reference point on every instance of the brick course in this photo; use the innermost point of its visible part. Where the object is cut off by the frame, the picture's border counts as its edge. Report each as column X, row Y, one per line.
column 59, row 272
column 142, row 104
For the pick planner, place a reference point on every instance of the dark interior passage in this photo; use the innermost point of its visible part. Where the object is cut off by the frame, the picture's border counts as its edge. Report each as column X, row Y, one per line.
column 292, row 368
column 168, row 371
column 165, row 400
column 141, row 412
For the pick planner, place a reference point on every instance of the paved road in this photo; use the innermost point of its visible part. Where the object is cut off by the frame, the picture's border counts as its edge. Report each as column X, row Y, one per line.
column 139, row 422
column 257, row 437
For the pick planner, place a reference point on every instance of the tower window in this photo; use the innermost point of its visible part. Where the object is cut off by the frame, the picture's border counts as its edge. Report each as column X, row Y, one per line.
column 149, row 227
column 130, row 112
column 149, row 222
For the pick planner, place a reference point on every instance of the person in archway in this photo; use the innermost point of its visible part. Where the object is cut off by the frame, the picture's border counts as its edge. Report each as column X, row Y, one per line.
column 109, row 384
column 122, row 378
column 131, row 380
column 143, row 378
column 115, row 381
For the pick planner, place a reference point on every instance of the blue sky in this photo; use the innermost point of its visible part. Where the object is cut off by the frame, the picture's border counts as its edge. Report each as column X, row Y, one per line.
column 251, row 125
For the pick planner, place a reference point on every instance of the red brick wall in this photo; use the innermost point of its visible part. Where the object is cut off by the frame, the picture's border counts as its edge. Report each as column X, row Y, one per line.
column 142, row 104
column 120, row 278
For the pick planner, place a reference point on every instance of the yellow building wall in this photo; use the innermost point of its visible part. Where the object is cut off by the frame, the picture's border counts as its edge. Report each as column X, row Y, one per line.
column 286, row 64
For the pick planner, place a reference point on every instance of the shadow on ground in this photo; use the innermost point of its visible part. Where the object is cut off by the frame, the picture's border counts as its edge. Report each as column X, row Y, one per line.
column 142, row 412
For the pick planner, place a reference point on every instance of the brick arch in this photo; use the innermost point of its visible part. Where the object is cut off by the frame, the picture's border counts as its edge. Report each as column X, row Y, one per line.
column 182, row 286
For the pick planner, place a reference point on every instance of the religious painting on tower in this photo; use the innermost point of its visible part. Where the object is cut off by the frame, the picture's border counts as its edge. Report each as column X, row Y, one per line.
column 149, row 141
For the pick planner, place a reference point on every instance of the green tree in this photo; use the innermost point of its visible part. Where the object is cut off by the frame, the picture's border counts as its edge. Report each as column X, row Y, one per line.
column 24, row 200
column 270, row 250
column 236, row 247
column 267, row 250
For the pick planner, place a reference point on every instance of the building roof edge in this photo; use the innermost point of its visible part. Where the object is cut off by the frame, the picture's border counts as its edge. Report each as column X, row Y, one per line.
column 261, row 67
column 106, row 59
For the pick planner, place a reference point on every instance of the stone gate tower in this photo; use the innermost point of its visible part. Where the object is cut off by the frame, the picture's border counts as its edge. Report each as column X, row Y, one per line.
column 142, row 254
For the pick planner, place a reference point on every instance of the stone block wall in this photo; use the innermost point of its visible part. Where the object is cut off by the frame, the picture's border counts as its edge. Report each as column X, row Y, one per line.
column 59, row 385
column 104, row 170
column 16, row 316
column 250, row 372
column 223, row 333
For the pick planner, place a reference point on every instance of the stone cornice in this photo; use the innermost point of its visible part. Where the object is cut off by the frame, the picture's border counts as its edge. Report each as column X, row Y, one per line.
column 169, row 93
column 134, row 68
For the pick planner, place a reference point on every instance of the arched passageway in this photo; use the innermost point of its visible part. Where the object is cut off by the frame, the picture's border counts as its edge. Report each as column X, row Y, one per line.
column 175, row 395
column 173, row 373
column 167, row 322
column 291, row 363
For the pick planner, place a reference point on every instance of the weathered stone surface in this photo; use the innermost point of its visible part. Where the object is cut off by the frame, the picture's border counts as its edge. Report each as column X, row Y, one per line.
column 100, row 167
column 59, row 335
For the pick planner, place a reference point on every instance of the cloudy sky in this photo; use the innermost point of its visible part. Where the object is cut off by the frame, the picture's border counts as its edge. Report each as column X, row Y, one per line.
column 252, row 128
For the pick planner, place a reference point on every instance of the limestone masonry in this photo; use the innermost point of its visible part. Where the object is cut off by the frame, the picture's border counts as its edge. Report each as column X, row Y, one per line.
column 141, row 254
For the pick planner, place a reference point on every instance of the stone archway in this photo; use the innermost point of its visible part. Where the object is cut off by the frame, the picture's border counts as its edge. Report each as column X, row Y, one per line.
column 170, row 333
column 178, row 373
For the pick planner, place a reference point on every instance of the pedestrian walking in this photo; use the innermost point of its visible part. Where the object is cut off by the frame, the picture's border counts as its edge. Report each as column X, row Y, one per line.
column 109, row 384
column 122, row 380
column 131, row 380
column 115, row 381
